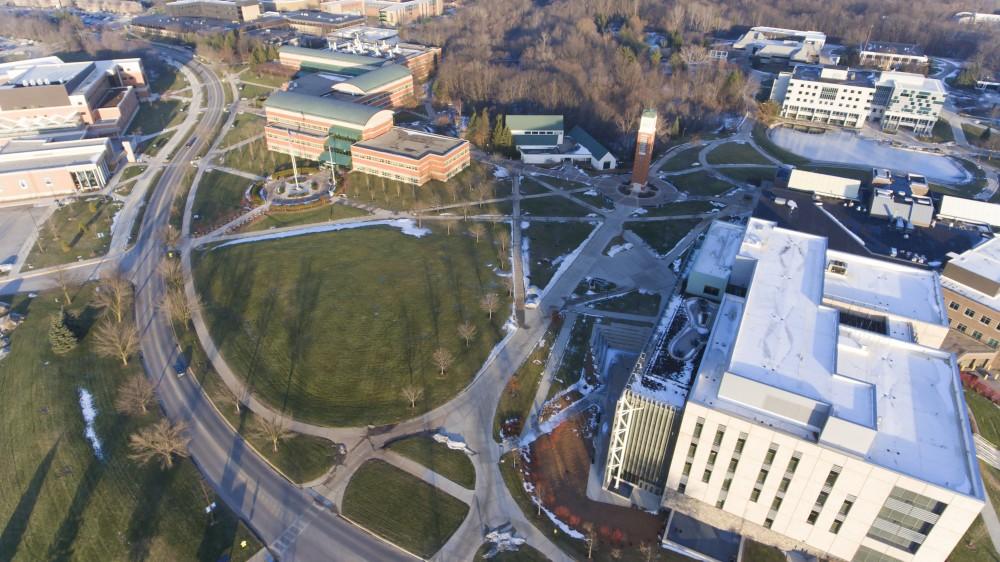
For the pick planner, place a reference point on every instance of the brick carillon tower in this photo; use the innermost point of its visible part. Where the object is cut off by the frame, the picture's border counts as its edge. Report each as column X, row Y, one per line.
column 644, row 148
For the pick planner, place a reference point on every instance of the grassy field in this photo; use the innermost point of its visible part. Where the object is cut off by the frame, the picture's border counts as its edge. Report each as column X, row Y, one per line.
column 552, row 206
column 57, row 499
column 987, row 416
column 155, row 116
column 401, row 508
column 524, row 553
column 758, row 552
column 267, row 79
column 330, row 327
column 155, row 145
column 317, row 214
column 550, row 241
column 475, row 183
column 80, row 229
column 253, row 91
column 700, row 183
column 679, row 208
column 942, row 132
column 131, row 172
column 167, row 78
column 598, row 201
column 662, row 236
column 764, row 142
column 575, row 356
column 519, row 393
column 453, row 465
column 245, row 126
column 219, row 197
column 735, row 153
column 749, row 175
column 682, row 160
column 255, row 158
column 532, row 187
column 633, row 302
column 561, row 183
column 975, row 546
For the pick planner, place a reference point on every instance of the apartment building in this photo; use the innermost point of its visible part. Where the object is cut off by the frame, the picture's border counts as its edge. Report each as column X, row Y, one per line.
column 822, row 417
column 320, row 128
column 971, row 286
column 892, row 56
column 47, row 95
column 236, row 11
column 410, row 156
column 849, row 97
column 35, row 168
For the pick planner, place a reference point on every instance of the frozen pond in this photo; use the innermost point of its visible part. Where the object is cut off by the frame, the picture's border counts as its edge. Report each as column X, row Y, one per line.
column 845, row 147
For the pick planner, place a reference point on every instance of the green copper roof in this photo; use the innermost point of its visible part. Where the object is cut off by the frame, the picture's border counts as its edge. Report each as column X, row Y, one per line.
column 536, row 140
column 596, row 149
column 379, row 77
column 327, row 108
column 535, row 122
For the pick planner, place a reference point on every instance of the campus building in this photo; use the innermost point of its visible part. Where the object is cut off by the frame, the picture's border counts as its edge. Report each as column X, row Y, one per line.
column 901, row 198
column 236, row 11
column 383, row 43
column 47, row 95
column 320, row 128
column 824, row 185
column 789, row 46
column 849, row 97
column 35, row 168
column 892, row 56
column 540, row 139
column 402, row 12
column 971, row 286
column 410, row 156
column 387, row 86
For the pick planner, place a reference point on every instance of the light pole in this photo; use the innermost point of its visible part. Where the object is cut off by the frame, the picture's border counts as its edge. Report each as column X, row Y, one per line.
column 333, row 167
column 291, row 152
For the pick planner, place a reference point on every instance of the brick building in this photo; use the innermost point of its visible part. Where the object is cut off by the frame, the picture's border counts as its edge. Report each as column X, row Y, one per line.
column 411, row 156
column 971, row 286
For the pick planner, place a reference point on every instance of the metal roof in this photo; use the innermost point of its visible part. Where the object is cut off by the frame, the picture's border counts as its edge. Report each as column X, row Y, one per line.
column 550, row 139
column 596, row 149
column 327, row 108
column 535, row 122
column 332, row 56
column 382, row 76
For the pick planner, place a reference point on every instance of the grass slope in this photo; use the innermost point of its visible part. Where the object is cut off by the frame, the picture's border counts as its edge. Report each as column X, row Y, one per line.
column 80, row 229
column 58, row 501
column 662, row 236
column 735, row 153
column 549, row 241
column 453, row 465
column 219, row 197
column 329, row 327
column 987, row 416
column 401, row 508
column 245, row 126
column 318, row 214
column 700, row 183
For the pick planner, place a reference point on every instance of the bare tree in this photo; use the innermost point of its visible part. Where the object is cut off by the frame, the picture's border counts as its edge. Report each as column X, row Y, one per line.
column 177, row 306
column 65, row 282
column 508, row 283
column 419, row 208
column 503, row 238
column 490, row 303
column 467, row 331
column 134, row 396
column 443, row 359
column 171, row 236
column 118, row 340
column 114, row 295
column 590, row 532
column 170, row 269
column 648, row 549
column 478, row 231
column 161, row 441
column 272, row 430
column 412, row 393
column 694, row 54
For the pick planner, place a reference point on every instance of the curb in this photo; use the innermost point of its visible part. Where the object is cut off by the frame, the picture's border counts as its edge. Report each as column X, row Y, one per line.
column 379, row 537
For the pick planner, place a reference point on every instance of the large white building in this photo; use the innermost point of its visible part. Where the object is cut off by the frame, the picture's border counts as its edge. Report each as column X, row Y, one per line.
column 769, row 44
column 822, row 417
column 850, row 97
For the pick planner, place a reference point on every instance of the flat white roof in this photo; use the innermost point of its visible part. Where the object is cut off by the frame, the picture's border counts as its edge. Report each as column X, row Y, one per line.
column 805, row 369
column 911, row 80
column 970, row 210
column 721, row 244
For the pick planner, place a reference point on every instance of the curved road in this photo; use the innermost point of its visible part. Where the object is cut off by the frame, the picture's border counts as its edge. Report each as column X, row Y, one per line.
column 286, row 518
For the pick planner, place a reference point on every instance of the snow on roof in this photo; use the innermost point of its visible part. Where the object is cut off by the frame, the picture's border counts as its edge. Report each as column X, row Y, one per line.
column 805, row 371
column 887, row 287
column 722, row 242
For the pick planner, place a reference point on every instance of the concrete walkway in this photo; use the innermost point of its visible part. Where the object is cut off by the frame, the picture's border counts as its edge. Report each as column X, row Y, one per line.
column 556, row 351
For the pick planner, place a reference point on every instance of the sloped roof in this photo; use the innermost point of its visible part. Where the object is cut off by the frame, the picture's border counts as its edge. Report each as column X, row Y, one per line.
column 535, row 122
column 596, row 149
column 328, row 108
column 536, row 140
column 372, row 81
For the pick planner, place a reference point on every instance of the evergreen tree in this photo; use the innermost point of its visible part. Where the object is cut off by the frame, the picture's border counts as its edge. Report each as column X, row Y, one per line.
column 61, row 338
column 497, row 138
column 483, row 132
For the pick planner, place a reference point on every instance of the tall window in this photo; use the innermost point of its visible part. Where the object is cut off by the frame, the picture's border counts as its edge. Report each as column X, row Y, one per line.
column 905, row 520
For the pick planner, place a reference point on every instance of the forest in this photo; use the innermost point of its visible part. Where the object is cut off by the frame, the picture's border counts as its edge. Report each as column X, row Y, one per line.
column 592, row 60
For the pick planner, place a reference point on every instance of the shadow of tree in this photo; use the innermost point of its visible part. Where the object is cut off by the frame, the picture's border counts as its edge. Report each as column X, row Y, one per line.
column 17, row 525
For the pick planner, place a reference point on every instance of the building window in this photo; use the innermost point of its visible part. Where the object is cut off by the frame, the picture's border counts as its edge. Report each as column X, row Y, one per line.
column 710, row 290
column 977, row 334
column 986, row 320
column 954, row 305
column 993, row 343
column 970, row 313
column 905, row 520
column 697, row 427
column 961, row 328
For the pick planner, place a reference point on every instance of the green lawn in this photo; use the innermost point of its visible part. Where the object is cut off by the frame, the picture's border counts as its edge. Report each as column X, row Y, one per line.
column 735, row 153
column 662, row 236
column 317, row 214
column 519, row 393
column 267, row 79
column 80, row 229
column 753, row 550
column 553, row 206
column 219, row 198
column 245, row 126
column 764, row 142
column 942, row 132
column 401, row 508
column 560, row 183
column 58, row 501
column 749, row 175
column 975, row 546
column 680, row 208
column 255, row 158
column 167, row 78
column 700, row 183
column 682, row 160
column 633, row 302
column 532, row 187
column 475, row 183
column 524, row 553
column 131, row 171
column 330, row 327
column 575, row 356
column 987, row 416
column 252, row 91
column 550, row 241
column 155, row 145
column 155, row 116
column 453, row 465
column 598, row 201
column 977, row 135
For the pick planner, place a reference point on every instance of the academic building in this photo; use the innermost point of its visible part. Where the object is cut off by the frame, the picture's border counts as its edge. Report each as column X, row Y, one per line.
column 410, row 156
column 36, row 168
column 971, row 285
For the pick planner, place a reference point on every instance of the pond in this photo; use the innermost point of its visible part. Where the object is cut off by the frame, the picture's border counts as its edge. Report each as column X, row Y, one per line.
column 846, row 147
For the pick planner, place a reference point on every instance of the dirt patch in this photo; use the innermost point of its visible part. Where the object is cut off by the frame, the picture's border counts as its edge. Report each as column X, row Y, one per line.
column 559, row 467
